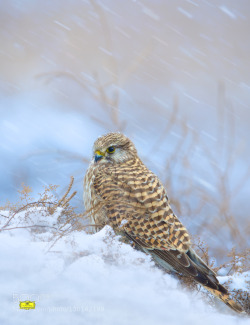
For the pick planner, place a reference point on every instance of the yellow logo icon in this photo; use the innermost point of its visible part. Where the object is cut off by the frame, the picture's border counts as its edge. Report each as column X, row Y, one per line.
column 27, row 304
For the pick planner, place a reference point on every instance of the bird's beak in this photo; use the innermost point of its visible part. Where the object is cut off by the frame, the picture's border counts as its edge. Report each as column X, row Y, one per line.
column 98, row 155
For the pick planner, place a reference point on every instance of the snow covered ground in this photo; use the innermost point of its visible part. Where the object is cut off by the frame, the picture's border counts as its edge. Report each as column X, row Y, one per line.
column 92, row 279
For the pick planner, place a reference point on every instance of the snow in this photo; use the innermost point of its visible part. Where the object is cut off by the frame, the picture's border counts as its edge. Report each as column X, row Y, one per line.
column 150, row 13
column 122, row 32
column 228, row 12
column 185, row 13
column 88, row 279
column 237, row 281
column 105, row 51
column 160, row 41
column 191, row 98
column 193, row 3
column 159, row 101
column 206, row 184
column 62, row 25
column 209, row 136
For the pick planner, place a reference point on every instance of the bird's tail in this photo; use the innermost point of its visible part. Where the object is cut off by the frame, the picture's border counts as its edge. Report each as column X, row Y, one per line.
column 226, row 299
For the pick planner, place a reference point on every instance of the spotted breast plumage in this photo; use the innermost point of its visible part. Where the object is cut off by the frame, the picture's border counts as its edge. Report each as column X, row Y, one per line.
column 121, row 191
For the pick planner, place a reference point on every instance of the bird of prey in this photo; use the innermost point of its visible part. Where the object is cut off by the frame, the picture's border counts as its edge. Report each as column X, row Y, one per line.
column 119, row 190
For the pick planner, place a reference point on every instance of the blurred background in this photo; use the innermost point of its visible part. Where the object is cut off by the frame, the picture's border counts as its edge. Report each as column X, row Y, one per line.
column 174, row 76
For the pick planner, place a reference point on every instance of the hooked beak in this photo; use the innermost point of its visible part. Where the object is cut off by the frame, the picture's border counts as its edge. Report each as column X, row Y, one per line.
column 98, row 155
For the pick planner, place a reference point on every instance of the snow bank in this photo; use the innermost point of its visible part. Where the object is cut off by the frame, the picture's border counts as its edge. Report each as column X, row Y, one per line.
column 92, row 279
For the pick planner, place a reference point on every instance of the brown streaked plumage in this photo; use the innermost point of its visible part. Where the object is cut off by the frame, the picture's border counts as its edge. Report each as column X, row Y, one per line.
column 121, row 191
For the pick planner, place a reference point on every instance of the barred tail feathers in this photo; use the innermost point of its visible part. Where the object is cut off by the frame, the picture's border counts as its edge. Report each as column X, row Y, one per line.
column 226, row 299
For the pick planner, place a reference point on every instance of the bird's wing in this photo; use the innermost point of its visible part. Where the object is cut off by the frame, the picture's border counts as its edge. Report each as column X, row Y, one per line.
column 139, row 207
column 137, row 203
column 138, row 198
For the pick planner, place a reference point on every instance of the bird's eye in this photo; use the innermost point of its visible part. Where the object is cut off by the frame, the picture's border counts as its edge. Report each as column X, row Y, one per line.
column 110, row 150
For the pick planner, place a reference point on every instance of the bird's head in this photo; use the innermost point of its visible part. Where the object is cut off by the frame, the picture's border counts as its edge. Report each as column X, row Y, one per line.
column 114, row 148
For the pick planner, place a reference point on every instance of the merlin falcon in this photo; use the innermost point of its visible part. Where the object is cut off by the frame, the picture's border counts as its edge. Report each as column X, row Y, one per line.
column 120, row 191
